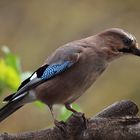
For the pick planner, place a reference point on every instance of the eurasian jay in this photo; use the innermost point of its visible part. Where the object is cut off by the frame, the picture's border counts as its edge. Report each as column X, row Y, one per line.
column 71, row 70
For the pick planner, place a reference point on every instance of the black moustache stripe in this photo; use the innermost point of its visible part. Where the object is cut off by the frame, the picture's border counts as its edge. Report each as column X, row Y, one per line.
column 125, row 50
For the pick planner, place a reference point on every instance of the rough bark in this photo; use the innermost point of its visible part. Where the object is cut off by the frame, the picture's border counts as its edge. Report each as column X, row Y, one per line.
column 116, row 122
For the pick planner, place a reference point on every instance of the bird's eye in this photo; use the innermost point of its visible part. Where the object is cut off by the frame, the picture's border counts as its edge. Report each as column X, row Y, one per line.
column 127, row 41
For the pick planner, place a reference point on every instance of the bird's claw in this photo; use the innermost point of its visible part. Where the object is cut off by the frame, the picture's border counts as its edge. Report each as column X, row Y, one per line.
column 60, row 125
column 82, row 117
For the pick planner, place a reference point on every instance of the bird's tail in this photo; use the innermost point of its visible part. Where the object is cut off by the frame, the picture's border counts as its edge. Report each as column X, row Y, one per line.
column 8, row 109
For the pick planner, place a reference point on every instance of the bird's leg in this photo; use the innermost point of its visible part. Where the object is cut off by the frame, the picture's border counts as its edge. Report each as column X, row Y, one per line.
column 77, row 114
column 52, row 113
column 69, row 107
column 60, row 124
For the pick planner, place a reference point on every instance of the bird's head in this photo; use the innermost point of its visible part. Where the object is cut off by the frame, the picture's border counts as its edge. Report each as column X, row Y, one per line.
column 119, row 42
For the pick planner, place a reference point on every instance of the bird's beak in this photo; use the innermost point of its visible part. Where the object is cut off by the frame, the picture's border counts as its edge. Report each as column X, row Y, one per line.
column 136, row 50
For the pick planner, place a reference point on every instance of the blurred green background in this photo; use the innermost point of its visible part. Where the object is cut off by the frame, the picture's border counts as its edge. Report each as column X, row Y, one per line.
column 32, row 29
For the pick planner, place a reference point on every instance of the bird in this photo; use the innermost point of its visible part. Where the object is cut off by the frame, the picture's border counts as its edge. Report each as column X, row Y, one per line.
column 70, row 70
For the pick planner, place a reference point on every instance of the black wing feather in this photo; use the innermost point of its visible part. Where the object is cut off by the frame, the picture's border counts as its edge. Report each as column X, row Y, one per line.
column 8, row 97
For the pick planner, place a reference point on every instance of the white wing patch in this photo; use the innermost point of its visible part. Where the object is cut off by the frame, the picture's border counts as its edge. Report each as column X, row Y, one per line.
column 33, row 76
column 30, row 97
column 21, row 95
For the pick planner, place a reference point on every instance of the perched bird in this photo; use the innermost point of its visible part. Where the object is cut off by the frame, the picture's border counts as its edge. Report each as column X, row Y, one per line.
column 71, row 70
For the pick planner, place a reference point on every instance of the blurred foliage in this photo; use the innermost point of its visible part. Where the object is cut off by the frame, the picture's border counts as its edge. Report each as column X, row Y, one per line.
column 12, row 60
column 39, row 104
column 9, row 71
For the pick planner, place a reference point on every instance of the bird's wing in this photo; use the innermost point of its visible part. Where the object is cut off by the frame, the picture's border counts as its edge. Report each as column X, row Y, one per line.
column 65, row 60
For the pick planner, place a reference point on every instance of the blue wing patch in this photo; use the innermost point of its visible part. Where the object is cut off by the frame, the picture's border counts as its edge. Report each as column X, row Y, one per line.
column 55, row 69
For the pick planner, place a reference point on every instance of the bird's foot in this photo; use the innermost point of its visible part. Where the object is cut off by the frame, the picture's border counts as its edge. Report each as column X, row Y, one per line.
column 81, row 116
column 61, row 125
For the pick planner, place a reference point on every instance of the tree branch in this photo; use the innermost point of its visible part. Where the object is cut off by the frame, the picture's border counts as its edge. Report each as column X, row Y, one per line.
column 116, row 122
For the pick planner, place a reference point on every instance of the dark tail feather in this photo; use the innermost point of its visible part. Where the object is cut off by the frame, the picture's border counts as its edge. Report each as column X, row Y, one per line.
column 8, row 109
column 8, row 98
